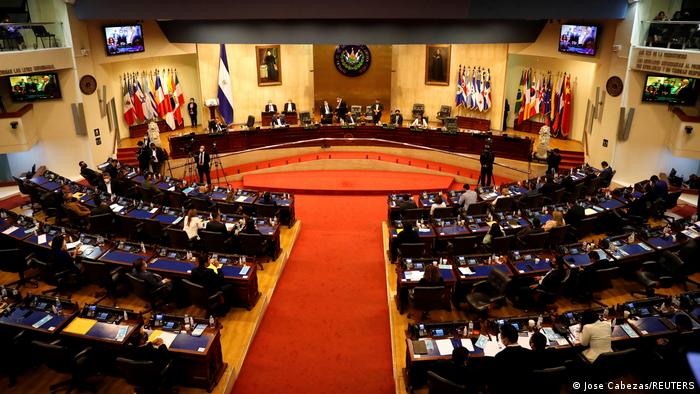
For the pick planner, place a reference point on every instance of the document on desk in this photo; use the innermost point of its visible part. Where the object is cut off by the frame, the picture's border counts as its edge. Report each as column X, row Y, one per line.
column 72, row 245
column 491, row 348
column 166, row 336
column 466, row 271
column 414, row 276
column 241, row 198
column 575, row 330
column 41, row 239
column 467, row 343
column 116, row 207
column 244, row 270
column 177, row 220
column 444, row 266
column 10, row 230
column 42, row 321
column 524, row 339
column 80, row 326
column 590, row 211
column 229, row 226
column 153, row 210
column 444, row 346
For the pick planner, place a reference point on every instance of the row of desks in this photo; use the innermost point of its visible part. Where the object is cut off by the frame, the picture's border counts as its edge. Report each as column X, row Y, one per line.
column 114, row 332
column 646, row 320
column 239, row 271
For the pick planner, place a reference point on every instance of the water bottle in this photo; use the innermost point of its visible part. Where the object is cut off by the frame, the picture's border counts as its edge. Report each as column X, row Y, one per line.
column 58, row 306
column 187, row 323
column 630, row 240
column 471, row 328
column 212, row 322
column 191, row 322
column 126, row 316
column 143, row 247
column 540, row 319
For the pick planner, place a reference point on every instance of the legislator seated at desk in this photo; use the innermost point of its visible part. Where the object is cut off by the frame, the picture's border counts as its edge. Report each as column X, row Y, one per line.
column 420, row 123
column 341, row 108
column 396, row 119
column 406, row 236
column 153, row 281
column 278, row 121
column 349, row 120
column 210, row 274
column 289, row 107
column 215, row 226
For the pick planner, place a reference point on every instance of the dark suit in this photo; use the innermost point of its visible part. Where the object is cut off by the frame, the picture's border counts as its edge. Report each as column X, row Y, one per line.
column 341, row 109
column 377, row 109
column 270, row 108
column 396, row 120
column 144, row 157
column 326, row 114
column 112, row 171
column 202, row 159
column 192, row 111
column 553, row 160
column 460, row 374
column 546, row 358
column 158, row 159
column 605, row 177
column 290, row 107
column 153, row 281
column 278, row 122
column 517, row 361
column 90, row 175
column 101, row 210
column 486, row 159
column 575, row 215
column 548, row 189
column 404, row 237
column 213, row 281
column 216, row 227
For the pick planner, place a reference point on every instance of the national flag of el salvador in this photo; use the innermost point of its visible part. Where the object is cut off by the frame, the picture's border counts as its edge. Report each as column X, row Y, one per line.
column 225, row 96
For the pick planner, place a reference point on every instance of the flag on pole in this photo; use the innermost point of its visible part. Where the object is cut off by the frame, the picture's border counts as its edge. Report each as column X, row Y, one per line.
column 176, row 95
column 465, row 95
column 129, row 115
column 160, row 97
column 224, row 94
column 178, row 91
column 458, row 95
column 519, row 99
column 137, row 99
column 566, row 111
column 150, row 98
column 479, row 90
column 487, row 90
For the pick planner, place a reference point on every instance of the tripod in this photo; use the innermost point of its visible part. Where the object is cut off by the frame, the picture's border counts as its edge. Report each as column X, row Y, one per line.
column 217, row 164
column 190, row 172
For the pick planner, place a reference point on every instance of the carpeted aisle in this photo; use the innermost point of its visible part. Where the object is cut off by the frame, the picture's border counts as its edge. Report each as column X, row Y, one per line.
column 326, row 329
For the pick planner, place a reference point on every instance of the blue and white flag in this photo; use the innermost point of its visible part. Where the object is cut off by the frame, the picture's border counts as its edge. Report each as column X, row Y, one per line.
column 225, row 96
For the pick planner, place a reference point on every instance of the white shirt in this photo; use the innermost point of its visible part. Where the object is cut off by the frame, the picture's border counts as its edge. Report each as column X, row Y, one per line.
column 418, row 123
column 467, row 198
column 597, row 336
column 155, row 155
column 192, row 226
column 201, row 158
column 432, row 207
column 109, row 187
column 270, row 108
column 288, row 107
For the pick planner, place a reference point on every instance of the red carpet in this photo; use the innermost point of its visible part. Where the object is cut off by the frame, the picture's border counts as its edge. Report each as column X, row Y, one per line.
column 319, row 182
column 327, row 326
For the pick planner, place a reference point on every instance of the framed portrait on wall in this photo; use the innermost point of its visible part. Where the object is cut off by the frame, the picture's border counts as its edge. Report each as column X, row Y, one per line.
column 437, row 64
column 269, row 65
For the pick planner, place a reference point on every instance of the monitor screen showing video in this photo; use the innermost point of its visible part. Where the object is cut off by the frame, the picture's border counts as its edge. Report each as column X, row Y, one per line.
column 670, row 90
column 123, row 39
column 34, row 87
column 578, row 39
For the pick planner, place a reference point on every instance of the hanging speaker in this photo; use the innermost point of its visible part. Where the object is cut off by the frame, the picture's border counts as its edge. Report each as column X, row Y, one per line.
column 79, row 118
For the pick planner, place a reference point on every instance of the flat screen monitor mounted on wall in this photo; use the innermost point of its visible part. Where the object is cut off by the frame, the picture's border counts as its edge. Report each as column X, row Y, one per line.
column 670, row 90
column 578, row 39
column 123, row 39
column 33, row 87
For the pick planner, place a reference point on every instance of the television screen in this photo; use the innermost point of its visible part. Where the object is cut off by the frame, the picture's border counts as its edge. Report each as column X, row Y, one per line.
column 670, row 90
column 579, row 39
column 123, row 39
column 34, row 87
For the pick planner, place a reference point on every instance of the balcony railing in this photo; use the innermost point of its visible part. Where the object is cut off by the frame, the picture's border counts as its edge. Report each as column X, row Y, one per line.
column 671, row 34
column 25, row 36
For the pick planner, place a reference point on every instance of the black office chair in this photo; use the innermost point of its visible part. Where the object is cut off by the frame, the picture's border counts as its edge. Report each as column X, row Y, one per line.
column 532, row 201
column 61, row 280
column 591, row 186
column 178, row 239
column 26, row 189
column 147, row 376
column 489, row 292
column 669, row 270
column 255, row 245
column 445, row 112
column 201, row 297
column 439, row 385
column 428, row 298
column 558, row 236
column 104, row 276
column 504, row 204
column 267, row 210
column 596, row 280
column 418, row 109
column 411, row 250
column 549, row 380
column 176, row 199
column 444, row 213
column 228, row 208
column 412, row 214
column 15, row 261
column 154, row 297
column 62, row 359
column 502, row 244
column 150, row 230
column 463, row 245
column 151, row 196
column 613, row 365
column 201, row 204
column 73, row 219
column 535, row 240
column 478, row 208
column 15, row 345
column 215, row 241
column 576, row 194
column 585, row 227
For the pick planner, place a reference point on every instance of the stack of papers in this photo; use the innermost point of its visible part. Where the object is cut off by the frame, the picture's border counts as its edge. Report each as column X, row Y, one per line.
column 444, row 266
column 413, row 276
column 10, row 230
column 166, row 336
column 116, row 207
column 71, row 245
column 491, row 348
column 41, row 239
column 466, row 271
column 444, row 346
column 241, row 198
column 467, row 343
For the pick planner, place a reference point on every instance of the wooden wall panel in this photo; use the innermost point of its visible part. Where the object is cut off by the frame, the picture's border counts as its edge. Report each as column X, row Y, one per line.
column 361, row 90
column 408, row 79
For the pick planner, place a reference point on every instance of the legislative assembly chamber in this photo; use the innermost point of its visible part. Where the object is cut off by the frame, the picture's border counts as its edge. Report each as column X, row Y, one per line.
column 364, row 197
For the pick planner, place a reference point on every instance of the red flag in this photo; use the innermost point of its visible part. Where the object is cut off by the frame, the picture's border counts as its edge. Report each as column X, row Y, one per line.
column 129, row 114
column 136, row 100
column 566, row 112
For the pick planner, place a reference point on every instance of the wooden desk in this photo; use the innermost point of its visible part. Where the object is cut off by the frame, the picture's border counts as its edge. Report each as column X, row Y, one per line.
column 461, row 142
column 38, row 318
column 105, row 335
column 405, row 283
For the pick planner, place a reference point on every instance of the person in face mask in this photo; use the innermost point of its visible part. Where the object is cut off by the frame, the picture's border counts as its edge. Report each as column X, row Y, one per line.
column 202, row 160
